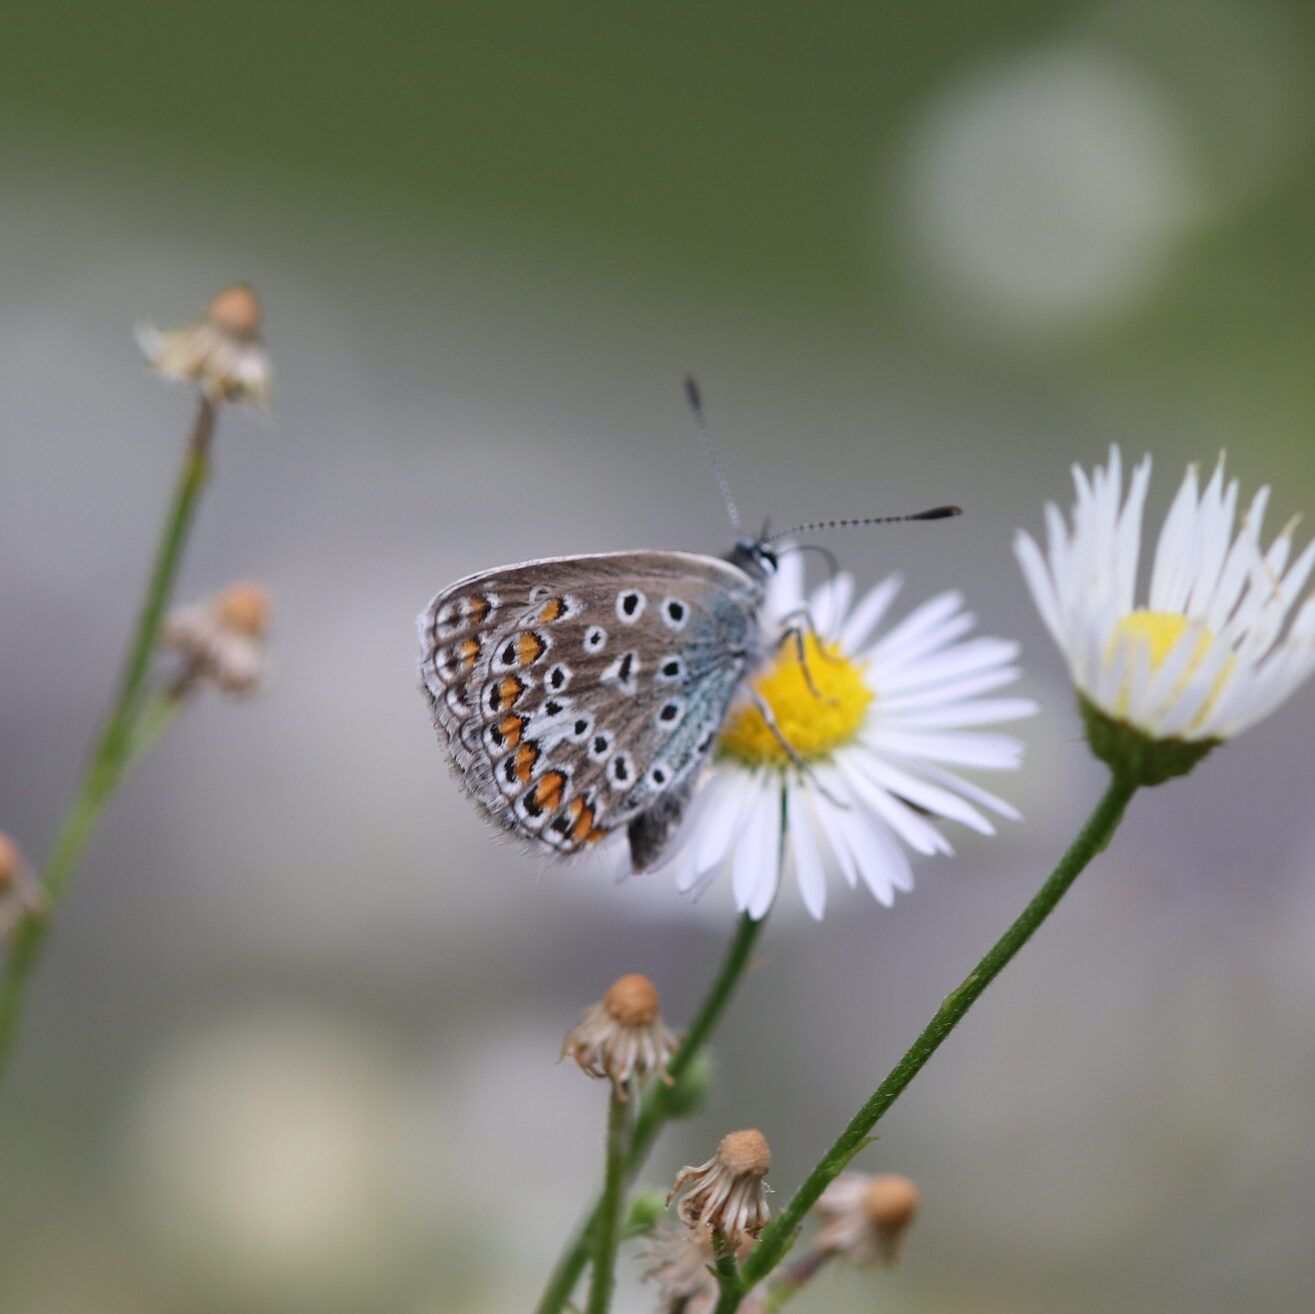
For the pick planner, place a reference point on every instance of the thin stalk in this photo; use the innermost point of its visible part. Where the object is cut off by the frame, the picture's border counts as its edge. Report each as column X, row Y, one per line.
column 728, row 1273
column 118, row 742
column 656, row 1108
column 1093, row 838
column 789, row 1283
column 607, row 1230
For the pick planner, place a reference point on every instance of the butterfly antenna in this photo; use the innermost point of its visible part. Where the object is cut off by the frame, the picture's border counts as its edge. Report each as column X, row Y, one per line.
column 936, row 513
column 695, row 398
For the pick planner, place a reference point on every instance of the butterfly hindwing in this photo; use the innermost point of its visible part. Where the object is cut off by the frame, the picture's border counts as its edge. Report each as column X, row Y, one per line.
column 581, row 693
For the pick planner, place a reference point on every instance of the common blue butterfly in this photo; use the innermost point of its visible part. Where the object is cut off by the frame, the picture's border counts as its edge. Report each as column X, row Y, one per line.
column 578, row 696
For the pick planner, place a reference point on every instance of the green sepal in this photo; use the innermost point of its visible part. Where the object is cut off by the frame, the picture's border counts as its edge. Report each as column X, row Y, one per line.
column 1134, row 756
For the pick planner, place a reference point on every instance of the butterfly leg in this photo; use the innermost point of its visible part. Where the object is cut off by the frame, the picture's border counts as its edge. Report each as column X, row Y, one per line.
column 797, row 633
column 769, row 719
column 810, row 627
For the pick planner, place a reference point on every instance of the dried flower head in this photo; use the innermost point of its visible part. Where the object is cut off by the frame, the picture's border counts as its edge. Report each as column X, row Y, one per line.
column 727, row 1194
column 864, row 1218
column 20, row 894
column 679, row 1263
column 222, row 351
column 222, row 638
column 623, row 1036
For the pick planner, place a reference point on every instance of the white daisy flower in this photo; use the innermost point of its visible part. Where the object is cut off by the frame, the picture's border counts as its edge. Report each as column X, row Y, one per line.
column 1207, row 655
column 881, row 735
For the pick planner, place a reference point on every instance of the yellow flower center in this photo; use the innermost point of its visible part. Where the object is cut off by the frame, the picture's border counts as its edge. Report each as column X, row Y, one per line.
column 814, row 720
column 1160, row 632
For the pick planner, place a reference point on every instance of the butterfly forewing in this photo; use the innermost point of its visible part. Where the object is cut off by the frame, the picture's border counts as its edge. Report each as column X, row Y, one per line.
column 579, row 694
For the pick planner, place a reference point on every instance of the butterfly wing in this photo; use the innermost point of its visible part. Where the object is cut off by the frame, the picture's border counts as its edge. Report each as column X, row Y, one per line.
column 579, row 695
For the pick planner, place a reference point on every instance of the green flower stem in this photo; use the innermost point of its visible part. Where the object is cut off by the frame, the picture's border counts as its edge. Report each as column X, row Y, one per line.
column 1093, row 837
column 728, row 1271
column 657, row 1108
column 607, row 1228
column 128, row 730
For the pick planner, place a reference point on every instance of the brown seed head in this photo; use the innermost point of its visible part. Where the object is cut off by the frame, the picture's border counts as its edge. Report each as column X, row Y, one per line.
column 891, row 1201
column 632, row 1000
column 745, row 1154
column 11, row 862
column 243, row 607
column 236, row 310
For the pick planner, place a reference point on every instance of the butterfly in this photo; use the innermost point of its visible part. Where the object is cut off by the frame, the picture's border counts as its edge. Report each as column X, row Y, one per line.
column 579, row 697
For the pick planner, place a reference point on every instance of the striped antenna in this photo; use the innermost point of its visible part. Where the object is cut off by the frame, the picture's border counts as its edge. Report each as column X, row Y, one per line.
column 936, row 513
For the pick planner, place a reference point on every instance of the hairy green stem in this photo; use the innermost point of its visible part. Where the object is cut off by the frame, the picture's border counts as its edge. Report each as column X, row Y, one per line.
column 1093, row 837
column 129, row 729
column 656, row 1108
column 728, row 1272
column 607, row 1229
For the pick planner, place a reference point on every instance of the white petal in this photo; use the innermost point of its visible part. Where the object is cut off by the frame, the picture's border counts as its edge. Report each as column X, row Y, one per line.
column 914, row 830
column 980, row 711
column 756, row 858
column 907, row 636
column 954, row 690
column 972, row 749
column 807, row 858
column 963, row 659
column 1040, row 585
column 830, row 602
column 920, row 792
column 867, row 615
column 973, row 791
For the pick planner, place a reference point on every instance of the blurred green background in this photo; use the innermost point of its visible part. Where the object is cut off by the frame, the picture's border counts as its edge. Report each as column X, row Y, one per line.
column 292, row 1050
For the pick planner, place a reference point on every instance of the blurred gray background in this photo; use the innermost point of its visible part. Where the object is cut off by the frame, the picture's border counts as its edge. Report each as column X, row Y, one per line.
column 293, row 1047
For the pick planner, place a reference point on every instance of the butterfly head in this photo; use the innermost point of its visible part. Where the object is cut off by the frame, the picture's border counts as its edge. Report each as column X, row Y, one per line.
column 756, row 557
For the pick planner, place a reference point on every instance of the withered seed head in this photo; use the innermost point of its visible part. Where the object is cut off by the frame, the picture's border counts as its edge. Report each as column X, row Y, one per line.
column 622, row 1036
column 745, row 1154
column 236, row 310
column 727, row 1194
column 244, row 607
column 632, row 1000
column 891, row 1201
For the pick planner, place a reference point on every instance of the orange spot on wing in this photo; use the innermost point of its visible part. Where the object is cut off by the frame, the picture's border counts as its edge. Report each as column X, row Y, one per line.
column 477, row 608
column 526, row 756
column 511, row 728
column 467, row 651
column 582, row 820
column 509, row 690
column 529, row 648
column 598, row 833
column 553, row 609
column 548, row 792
